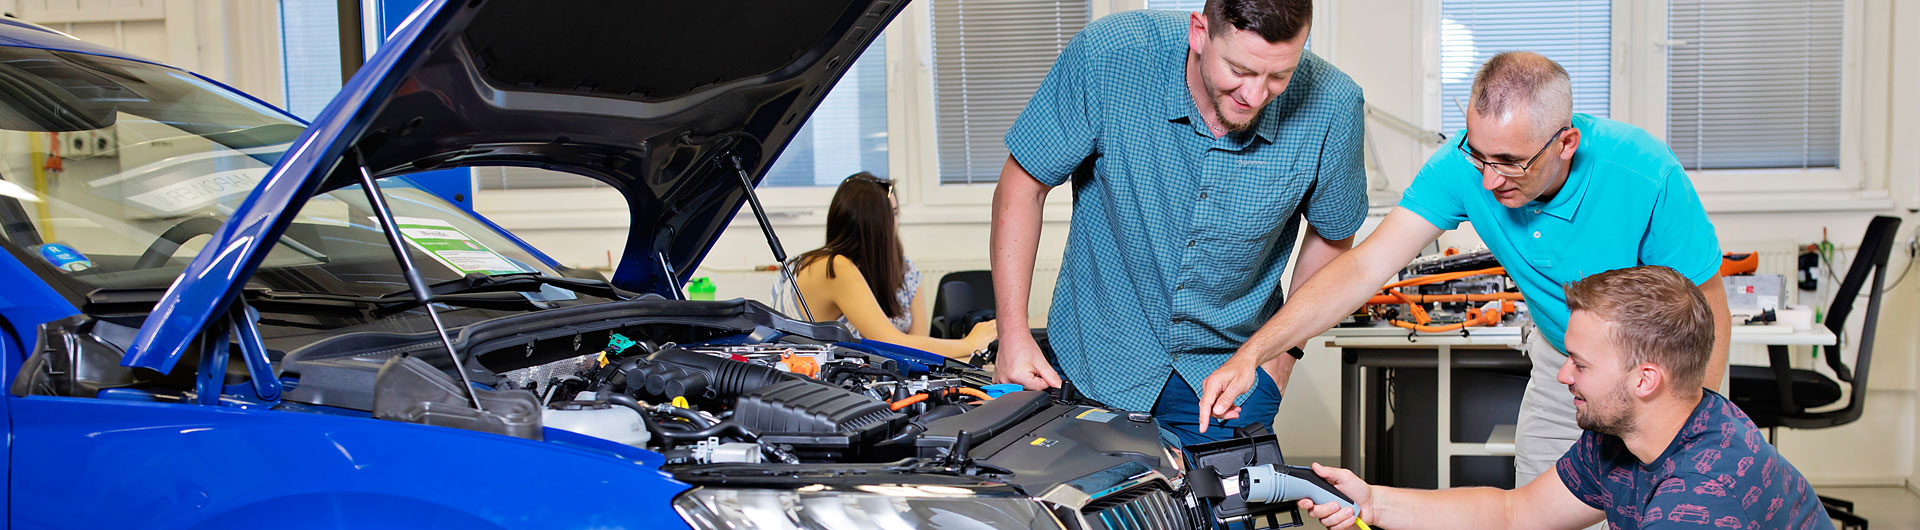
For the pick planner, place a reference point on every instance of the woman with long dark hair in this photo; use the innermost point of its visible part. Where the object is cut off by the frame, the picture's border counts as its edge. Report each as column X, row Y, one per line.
column 862, row 278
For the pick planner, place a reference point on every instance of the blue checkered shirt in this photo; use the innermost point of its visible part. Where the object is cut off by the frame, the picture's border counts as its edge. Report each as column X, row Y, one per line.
column 1178, row 239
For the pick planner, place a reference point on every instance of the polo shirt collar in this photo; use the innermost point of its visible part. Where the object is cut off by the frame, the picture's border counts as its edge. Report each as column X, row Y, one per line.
column 1567, row 203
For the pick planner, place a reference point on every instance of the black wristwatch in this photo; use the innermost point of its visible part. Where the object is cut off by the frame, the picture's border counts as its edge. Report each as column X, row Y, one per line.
column 1297, row 353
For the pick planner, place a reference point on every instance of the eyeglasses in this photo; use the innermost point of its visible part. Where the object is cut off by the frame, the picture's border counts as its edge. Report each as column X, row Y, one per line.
column 1503, row 168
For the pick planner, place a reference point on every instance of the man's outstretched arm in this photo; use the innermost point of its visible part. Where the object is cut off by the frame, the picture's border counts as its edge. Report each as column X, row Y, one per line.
column 1328, row 296
column 1017, row 204
column 1544, row 503
column 1315, row 253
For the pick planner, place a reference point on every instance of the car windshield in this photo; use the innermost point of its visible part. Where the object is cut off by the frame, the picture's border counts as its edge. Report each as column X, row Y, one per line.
column 113, row 173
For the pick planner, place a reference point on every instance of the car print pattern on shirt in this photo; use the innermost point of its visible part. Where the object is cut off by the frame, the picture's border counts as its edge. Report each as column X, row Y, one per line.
column 1702, row 480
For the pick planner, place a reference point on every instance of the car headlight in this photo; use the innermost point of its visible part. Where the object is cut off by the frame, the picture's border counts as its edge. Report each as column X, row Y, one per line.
column 877, row 507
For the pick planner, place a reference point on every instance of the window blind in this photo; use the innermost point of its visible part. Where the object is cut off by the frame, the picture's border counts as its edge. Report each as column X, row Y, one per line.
column 1574, row 33
column 310, row 54
column 1177, row 5
column 988, row 57
column 1754, row 83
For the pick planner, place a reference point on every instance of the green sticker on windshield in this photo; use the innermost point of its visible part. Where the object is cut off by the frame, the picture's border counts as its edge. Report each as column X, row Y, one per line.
column 453, row 248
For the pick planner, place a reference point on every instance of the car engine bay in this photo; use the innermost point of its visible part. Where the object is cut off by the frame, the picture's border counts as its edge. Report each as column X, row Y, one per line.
column 746, row 405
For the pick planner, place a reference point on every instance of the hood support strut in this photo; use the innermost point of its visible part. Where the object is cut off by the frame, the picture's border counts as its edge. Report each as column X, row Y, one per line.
column 766, row 227
column 421, row 291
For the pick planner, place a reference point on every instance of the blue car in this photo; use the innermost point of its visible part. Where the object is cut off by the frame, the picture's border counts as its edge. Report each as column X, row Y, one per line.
column 217, row 315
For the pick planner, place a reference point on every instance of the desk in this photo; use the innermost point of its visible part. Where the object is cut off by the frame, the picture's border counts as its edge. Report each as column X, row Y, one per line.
column 1390, row 347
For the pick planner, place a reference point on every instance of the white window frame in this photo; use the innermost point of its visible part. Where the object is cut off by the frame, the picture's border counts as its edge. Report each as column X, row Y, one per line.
column 1641, row 40
column 1638, row 96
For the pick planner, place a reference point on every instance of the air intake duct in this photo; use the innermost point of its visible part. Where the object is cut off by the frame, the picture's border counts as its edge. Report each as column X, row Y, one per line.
column 674, row 372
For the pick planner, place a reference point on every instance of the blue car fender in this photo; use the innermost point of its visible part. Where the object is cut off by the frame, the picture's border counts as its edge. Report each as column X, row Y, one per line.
column 94, row 463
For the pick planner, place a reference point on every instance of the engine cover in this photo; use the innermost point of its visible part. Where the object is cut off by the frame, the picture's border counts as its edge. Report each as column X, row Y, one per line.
column 815, row 418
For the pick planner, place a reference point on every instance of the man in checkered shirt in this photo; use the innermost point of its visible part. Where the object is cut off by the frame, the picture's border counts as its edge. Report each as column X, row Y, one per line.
column 1198, row 144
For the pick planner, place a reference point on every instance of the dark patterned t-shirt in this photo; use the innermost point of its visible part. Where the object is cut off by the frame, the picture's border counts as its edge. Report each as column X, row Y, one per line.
column 1718, row 473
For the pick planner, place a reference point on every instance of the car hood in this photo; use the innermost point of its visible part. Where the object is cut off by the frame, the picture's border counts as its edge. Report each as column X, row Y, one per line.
column 665, row 102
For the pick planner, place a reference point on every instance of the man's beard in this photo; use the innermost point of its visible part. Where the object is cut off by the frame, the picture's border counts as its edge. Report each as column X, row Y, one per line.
column 1219, row 110
column 1612, row 415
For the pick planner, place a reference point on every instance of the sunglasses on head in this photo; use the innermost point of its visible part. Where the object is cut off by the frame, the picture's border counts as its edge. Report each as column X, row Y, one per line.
column 863, row 177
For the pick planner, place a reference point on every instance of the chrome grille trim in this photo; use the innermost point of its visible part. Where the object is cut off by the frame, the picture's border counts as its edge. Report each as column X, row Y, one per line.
column 1149, row 507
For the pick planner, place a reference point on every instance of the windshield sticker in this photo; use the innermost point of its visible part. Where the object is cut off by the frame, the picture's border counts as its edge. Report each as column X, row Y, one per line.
column 194, row 193
column 64, row 257
column 452, row 248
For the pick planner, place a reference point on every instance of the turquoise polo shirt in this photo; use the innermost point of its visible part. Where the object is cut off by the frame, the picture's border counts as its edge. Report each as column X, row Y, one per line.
column 1179, row 239
column 1627, row 202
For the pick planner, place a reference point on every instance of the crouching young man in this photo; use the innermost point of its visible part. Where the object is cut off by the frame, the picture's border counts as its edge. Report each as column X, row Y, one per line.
column 1659, row 451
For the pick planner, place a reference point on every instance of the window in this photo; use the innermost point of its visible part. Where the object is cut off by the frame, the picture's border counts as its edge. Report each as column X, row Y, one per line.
column 1177, row 5
column 988, row 57
column 1574, row 33
column 310, row 52
column 1754, row 84
column 847, row 134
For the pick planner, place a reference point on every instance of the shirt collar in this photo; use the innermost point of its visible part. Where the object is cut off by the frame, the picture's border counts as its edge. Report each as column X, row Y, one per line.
column 1176, row 101
column 1567, row 203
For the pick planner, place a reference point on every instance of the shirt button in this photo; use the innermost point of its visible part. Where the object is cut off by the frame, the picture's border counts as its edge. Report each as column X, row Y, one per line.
column 1190, row 241
column 1536, row 235
column 1536, row 212
column 1203, row 195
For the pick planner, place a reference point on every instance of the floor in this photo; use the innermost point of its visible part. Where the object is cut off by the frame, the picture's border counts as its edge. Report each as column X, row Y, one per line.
column 1886, row 508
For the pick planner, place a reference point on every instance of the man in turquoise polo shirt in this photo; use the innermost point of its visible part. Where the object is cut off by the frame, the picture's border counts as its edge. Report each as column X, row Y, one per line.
column 1557, row 197
column 1198, row 145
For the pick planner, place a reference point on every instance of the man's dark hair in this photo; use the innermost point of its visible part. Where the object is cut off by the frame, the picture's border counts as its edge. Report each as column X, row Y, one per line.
column 1273, row 20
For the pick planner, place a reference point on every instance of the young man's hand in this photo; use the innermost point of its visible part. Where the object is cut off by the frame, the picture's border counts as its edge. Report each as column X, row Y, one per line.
column 1226, row 385
column 1332, row 515
column 1020, row 361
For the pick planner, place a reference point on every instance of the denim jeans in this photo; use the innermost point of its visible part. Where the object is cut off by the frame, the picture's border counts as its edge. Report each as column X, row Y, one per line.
column 1179, row 410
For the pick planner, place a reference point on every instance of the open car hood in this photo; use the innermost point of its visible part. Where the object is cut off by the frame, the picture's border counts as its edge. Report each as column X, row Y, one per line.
column 666, row 102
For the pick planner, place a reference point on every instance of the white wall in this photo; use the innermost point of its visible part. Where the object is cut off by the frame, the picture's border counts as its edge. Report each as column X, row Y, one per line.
column 1384, row 44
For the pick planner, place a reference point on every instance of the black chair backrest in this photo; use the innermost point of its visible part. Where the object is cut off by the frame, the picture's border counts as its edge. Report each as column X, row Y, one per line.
column 959, row 293
column 1871, row 258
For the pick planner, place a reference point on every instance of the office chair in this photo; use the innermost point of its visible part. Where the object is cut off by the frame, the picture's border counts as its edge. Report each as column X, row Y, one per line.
column 963, row 299
column 1780, row 396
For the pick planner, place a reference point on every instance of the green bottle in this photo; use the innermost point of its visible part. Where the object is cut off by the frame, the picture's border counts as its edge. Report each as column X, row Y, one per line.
column 700, row 289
